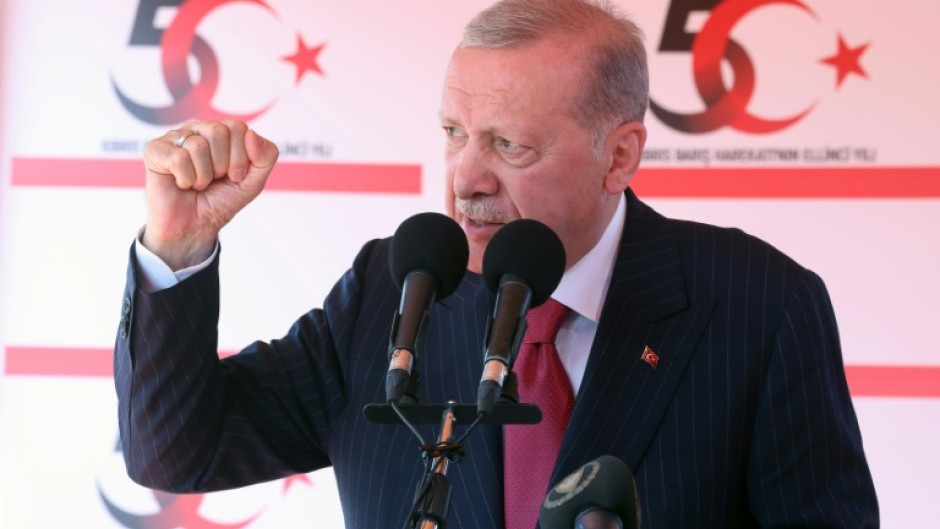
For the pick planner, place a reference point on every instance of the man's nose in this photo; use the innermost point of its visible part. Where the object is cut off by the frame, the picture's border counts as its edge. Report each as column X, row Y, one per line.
column 474, row 173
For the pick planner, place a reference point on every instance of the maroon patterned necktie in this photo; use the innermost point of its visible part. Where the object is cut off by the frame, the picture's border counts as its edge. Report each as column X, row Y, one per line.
column 530, row 450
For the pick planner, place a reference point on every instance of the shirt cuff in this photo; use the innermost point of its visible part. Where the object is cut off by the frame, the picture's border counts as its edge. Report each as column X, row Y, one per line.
column 155, row 275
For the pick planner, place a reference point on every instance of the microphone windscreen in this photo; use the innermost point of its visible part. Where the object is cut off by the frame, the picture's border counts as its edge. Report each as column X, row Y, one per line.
column 529, row 250
column 432, row 243
column 605, row 483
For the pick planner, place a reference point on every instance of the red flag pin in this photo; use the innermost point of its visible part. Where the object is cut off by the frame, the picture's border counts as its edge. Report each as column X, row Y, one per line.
column 650, row 357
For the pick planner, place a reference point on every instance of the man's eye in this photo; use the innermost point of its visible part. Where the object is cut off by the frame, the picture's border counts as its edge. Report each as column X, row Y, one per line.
column 508, row 145
column 451, row 131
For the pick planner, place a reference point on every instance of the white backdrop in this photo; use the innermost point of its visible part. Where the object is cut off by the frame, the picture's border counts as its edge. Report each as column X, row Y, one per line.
column 851, row 189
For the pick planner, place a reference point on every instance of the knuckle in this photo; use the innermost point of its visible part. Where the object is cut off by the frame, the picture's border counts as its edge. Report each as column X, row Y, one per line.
column 213, row 128
column 179, row 158
column 184, row 180
column 151, row 149
column 199, row 145
column 237, row 126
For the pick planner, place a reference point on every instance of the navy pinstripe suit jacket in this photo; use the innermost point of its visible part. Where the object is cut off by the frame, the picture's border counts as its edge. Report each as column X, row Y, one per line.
column 746, row 421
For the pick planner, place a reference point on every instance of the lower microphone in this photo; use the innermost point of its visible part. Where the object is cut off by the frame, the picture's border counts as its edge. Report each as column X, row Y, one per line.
column 601, row 494
column 408, row 325
column 523, row 263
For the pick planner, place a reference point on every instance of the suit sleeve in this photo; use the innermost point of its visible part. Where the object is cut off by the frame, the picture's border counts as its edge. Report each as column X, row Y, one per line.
column 807, row 466
column 191, row 422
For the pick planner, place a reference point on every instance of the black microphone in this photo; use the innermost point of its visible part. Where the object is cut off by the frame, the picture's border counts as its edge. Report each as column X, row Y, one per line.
column 599, row 495
column 523, row 263
column 428, row 258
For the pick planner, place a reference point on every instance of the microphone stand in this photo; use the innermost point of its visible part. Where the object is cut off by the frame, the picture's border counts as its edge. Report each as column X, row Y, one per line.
column 432, row 499
column 434, row 506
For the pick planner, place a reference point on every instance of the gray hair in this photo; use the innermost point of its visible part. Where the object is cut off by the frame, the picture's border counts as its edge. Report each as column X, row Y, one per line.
column 618, row 87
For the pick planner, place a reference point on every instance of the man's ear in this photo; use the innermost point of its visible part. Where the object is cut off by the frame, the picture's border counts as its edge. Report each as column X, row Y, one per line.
column 626, row 143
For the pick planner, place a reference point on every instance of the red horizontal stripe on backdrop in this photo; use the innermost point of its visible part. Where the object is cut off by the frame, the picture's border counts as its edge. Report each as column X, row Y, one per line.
column 755, row 182
column 77, row 172
column 893, row 381
column 287, row 176
column 353, row 178
column 864, row 380
column 44, row 361
column 789, row 182
column 62, row 361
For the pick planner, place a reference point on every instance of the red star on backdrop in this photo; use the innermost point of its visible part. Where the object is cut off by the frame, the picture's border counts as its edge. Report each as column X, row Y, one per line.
column 305, row 58
column 290, row 480
column 846, row 61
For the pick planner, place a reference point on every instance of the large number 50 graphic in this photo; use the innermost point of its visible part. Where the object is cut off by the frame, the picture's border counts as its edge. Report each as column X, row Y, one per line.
column 179, row 40
column 712, row 45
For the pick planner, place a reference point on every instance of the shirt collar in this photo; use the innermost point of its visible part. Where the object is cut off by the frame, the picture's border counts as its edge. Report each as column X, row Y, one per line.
column 579, row 288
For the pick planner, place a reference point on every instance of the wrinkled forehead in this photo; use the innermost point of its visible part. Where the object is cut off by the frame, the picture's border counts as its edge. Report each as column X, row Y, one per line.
column 547, row 73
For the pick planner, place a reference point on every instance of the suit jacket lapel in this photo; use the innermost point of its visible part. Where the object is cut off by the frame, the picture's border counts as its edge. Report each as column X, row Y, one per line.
column 623, row 396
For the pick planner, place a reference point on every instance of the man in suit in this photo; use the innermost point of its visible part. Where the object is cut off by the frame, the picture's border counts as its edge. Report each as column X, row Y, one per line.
column 704, row 358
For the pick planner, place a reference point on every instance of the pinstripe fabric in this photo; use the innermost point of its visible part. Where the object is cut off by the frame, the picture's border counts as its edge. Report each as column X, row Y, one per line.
column 746, row 421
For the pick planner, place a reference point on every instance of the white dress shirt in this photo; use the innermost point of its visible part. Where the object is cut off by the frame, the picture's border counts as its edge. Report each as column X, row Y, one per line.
column 155, row 275
column 583, row 289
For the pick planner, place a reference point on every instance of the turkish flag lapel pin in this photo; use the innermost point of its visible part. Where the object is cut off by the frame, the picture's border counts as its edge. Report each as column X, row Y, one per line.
column 650, row 357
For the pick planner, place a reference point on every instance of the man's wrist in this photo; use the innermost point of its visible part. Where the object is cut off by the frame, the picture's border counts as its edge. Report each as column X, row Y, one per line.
column 156, row 274
column 181, row 254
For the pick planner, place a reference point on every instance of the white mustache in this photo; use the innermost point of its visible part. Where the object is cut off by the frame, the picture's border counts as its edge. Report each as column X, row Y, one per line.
column 480, row 211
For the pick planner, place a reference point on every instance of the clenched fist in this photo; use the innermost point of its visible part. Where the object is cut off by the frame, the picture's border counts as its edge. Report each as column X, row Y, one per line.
column 198, row 178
